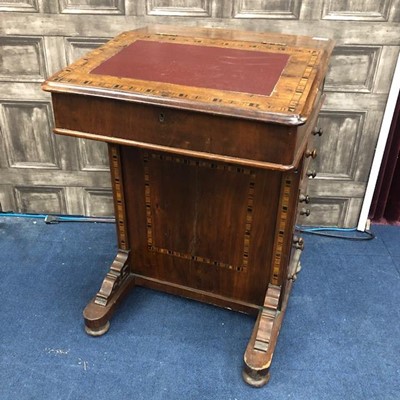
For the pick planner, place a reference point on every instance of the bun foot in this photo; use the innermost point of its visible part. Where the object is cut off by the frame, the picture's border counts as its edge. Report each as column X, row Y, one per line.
column 98, row 331
column 255, row 378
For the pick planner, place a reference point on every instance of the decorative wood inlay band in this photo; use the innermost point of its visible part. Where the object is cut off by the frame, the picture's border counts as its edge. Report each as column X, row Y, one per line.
column 281, row 228
column 281, row 99
column 149, row 217
column 267, row 318
column 249, row 221
column 199, row 163
column 301, row 87
column 116, row 176
column 117, row 274
column 207, row 164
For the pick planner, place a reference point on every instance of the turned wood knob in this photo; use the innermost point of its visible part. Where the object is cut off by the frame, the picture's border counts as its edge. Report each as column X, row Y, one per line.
column 317, row 131
column 304, row 198
column 311, row 174
column 311, row 153
column 305, row 211
column 298, row 242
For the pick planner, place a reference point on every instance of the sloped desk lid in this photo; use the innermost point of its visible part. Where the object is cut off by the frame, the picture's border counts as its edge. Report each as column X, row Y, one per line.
column 268, row 77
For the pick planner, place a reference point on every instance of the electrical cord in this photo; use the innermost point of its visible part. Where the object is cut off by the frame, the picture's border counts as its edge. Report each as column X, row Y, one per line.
column 55, row 219
column 321, row 231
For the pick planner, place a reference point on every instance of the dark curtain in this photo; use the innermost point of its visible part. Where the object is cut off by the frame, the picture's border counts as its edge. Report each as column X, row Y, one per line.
column 385, row 205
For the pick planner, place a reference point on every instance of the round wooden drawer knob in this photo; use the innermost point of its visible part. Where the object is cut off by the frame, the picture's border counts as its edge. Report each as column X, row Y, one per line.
column 304, row 198
column 311, row 174
column 305, row 211
column 298, row 242
column 311, row 153
column 317, row 131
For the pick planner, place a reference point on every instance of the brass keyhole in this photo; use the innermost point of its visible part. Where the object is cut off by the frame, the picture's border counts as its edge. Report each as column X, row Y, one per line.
column 161, row 117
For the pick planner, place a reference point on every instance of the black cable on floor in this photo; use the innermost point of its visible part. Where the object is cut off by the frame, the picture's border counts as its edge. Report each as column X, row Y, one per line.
column 322, row 231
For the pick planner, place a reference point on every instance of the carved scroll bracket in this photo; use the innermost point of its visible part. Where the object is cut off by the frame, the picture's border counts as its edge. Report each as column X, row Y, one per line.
column 260, row 350
column 267, row 318
column 115, row 277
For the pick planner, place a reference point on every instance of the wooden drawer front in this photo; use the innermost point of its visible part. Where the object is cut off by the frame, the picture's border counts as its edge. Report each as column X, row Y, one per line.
column 138, row 124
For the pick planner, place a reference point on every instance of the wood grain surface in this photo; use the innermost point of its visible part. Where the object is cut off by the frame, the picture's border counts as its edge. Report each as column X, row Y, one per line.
column 206, row 193
column 290, row 102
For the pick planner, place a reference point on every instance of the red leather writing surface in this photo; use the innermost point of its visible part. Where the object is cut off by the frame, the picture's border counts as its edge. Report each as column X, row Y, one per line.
column 208, row 67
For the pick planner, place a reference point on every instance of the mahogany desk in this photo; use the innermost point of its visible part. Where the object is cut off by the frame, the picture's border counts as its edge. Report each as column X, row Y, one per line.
column 209, row 134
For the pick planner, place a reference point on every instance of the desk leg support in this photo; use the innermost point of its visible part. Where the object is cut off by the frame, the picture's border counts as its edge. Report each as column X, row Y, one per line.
column 260, row 350
column 115, row 286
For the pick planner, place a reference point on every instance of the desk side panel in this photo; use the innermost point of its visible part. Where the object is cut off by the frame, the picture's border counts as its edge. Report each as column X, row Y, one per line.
column 202, row 225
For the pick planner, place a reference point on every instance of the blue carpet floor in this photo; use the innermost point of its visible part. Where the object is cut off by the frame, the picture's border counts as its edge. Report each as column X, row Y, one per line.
column 340, row 338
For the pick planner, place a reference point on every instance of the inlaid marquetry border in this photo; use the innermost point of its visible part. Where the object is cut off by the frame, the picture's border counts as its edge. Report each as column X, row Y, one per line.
column 201, row 164
column 117, row 182
column 288, row 96
column 282, row 226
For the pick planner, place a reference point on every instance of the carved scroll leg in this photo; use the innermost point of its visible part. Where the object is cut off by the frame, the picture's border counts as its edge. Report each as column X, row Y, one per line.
column 115, row 285
column 259, row 351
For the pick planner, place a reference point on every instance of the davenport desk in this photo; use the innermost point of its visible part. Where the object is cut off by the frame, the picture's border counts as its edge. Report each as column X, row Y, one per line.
column 210, row 137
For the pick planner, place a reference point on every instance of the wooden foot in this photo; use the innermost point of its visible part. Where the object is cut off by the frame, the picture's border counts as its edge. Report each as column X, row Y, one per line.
column 99, row 331
column 261, row 347
column 255, row 378
column 116, row 284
